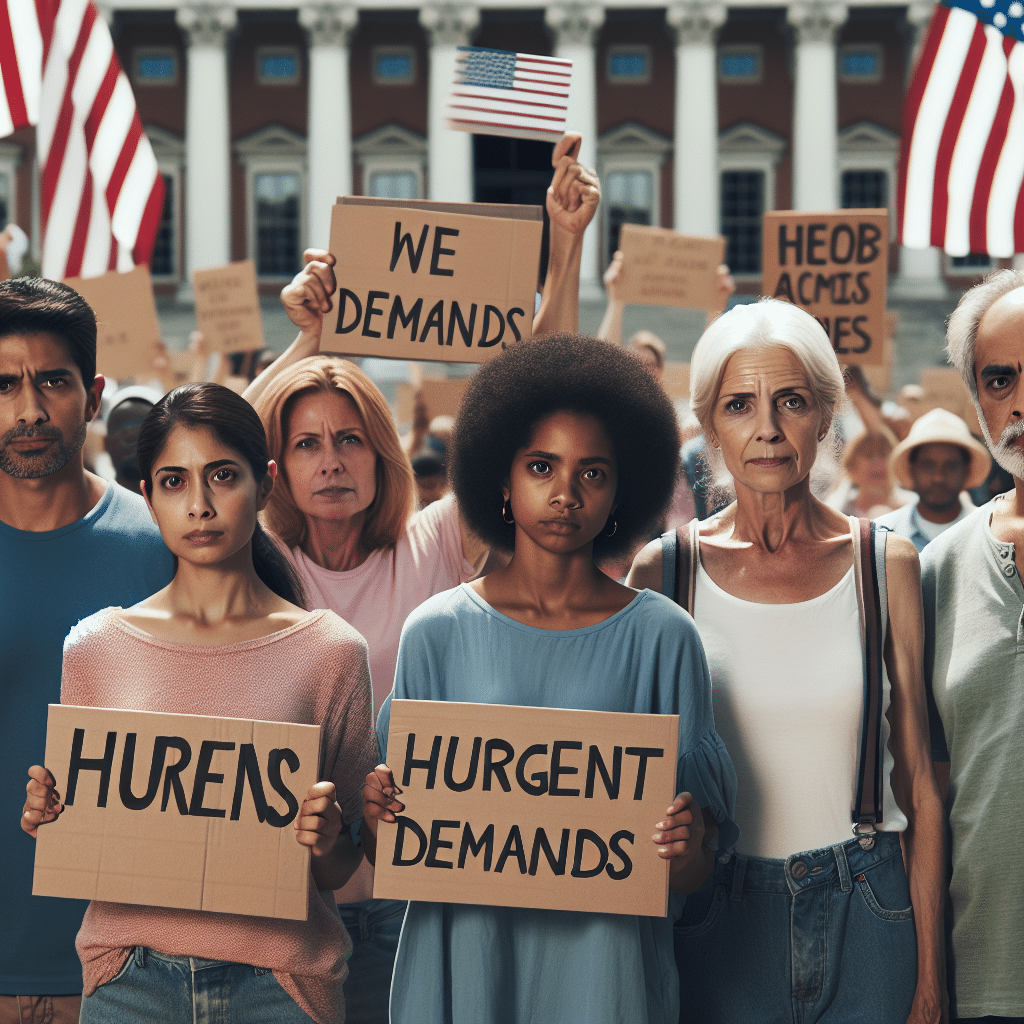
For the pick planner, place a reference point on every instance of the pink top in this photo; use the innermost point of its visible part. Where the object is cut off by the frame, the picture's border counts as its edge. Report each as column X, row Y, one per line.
column 377, row 597
column 314, row 673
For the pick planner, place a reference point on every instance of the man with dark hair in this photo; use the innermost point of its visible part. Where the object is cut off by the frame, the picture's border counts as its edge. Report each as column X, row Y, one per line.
column 70, row 544
column 939, row 460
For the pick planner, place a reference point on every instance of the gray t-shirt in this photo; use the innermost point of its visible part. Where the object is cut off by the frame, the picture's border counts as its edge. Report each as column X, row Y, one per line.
column 974, row 636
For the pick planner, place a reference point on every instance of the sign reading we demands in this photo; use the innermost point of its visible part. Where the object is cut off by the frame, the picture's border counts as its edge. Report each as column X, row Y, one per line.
column 228, row 307
column 835, row 265
column 431, row 281
column 528, row 807
column 665, row 268
column 177, row 811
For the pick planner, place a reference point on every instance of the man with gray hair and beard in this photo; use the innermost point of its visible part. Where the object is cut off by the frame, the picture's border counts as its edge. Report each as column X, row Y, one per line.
column 974, row 636
column 70, row 544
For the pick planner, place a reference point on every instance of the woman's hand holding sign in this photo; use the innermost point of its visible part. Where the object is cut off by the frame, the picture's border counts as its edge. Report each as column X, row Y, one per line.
column 682, row 836
column 42, row 801
column 318, row 826
column 379, row 804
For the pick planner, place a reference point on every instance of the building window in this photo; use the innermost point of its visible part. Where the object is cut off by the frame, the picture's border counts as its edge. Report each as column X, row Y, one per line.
column 155, row 65
column 630, row 199
column 277, row 65
column 860, row 62
column 393, row 65
column 865, row 190
column 163, row 264
column 629, row 65
column 739, row 64
column 973, row 263
column 276, row 224
column 393, row 185
column 742, row 206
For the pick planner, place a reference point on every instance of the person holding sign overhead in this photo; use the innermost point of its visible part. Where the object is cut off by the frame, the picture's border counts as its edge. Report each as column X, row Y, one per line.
column 227, row 638
column 564, row 453
column 343, row 509
column 797, row 605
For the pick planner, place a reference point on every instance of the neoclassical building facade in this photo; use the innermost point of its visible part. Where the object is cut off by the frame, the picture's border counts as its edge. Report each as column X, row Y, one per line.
column 699, row 115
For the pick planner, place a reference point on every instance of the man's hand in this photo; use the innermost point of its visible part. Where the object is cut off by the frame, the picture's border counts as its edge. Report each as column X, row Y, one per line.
column 308, row 297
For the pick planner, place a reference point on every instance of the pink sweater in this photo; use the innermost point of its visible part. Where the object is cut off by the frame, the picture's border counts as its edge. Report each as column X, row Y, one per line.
column 315, row 673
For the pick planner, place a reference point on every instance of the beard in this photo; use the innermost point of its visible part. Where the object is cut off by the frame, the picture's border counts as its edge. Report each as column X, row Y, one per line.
column 52, row 460
column 1005, row 452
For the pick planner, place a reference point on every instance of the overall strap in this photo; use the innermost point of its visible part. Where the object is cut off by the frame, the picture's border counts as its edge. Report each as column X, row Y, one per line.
column 687, row 556
column 869, row 551
column 669, row 543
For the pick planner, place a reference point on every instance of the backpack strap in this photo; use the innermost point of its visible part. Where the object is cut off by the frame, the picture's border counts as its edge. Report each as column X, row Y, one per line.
column 669, row 542
column 869, row 553
column 687, row 557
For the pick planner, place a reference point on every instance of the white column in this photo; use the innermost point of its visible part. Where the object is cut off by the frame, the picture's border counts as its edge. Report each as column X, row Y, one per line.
column 329, row 122
column 575, row 26
column 207, row 140
column 815, row 110
column 920, row 275
column 449, row 153
column 695, row 178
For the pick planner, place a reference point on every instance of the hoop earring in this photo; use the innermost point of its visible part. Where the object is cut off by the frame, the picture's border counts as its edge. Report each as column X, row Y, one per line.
column 615, row 526
column 508, row 519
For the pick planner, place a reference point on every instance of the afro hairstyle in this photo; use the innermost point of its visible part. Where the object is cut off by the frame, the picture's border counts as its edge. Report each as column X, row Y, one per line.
column 531, row 380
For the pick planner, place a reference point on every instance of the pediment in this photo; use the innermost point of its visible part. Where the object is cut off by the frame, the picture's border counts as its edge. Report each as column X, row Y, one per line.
column 165, row 144
column 273, row 140
column 865, row 136
column 633, row 138
column 751, row 138
column 390, row 140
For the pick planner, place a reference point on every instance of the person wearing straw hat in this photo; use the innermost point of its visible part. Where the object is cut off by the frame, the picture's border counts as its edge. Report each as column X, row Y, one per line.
column 939, row 459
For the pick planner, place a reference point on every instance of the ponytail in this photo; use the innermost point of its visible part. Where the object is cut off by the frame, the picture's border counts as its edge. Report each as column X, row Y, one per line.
column 275, row 570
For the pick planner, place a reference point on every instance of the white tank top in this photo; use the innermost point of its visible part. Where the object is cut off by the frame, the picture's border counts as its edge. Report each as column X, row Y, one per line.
column 787, row 687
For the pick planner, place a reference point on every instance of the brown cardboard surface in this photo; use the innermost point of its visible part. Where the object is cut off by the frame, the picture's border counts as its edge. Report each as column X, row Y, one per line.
column 509, row 211
column 228, row 307
column 662, row 267
column 546, row 744
column 880, row 377
column 200, row 860
column 128, row 332
column 834, row 265
column 442, row 397
column 675, row 379
column 429, row 284
column 944, row 389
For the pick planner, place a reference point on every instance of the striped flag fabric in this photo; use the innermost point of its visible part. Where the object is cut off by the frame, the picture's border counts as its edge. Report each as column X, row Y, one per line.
column 961, row 184
column 101, row 190
column 498, row 92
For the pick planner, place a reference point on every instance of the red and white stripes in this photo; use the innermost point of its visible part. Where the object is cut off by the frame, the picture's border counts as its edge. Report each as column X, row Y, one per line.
column 21, row 61
column 962, row 167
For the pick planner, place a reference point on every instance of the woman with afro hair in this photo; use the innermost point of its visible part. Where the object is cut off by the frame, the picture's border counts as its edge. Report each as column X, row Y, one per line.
column 565, row 453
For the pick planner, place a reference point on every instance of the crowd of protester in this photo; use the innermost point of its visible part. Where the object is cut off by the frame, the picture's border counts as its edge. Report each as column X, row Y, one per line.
column 260, row 542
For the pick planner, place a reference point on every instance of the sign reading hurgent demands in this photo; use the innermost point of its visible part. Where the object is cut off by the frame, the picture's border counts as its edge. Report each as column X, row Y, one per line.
column 528, row 807
column 177, row 811
column 835, row 265
column 433, row 281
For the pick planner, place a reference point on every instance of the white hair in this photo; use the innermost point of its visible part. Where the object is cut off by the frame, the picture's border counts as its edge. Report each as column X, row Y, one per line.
column 769, row 322
column 962, row 330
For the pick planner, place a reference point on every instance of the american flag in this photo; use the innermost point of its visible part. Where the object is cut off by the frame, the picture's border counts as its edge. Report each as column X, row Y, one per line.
column 498, row 92
column 101, row 190
column 962, row 164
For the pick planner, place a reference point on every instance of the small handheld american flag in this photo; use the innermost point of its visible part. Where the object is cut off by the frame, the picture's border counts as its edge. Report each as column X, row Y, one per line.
column 498, row 92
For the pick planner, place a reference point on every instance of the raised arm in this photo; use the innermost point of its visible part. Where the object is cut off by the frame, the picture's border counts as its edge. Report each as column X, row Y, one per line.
column 913, row 780
column 611, row 325
column 571, row 203
column 306, row 300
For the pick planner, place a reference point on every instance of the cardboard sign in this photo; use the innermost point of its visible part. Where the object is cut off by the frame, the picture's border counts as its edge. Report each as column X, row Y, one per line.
column 442, row 397
column 228, row 307
column 528, row 807
column 417, row 281
column 944, row 388
column 128, row 332
column 880, row 377
column 675, row 379
column 177, row 811
column 835, row 266
column 665, row 268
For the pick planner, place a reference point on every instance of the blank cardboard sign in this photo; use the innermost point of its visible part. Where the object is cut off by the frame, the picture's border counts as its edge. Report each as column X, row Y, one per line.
column 528, row 807
column 665, row 268
column 128, row 332
column 228, row 307
column 429, row 283
column 179, row 811
column 835, row 265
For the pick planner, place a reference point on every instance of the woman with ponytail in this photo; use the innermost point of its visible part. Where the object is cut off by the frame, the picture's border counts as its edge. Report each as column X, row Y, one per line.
column 228, row 637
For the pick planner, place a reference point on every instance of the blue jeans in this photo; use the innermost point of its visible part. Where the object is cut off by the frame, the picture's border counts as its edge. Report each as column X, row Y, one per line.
column 155, row 988
column 374, row 927
column 823, row 936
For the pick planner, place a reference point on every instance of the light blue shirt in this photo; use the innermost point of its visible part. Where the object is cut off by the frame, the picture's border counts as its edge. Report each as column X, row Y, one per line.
column 468, row 964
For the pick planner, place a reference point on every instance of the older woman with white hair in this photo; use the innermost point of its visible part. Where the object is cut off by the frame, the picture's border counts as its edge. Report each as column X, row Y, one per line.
column 812, row 627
